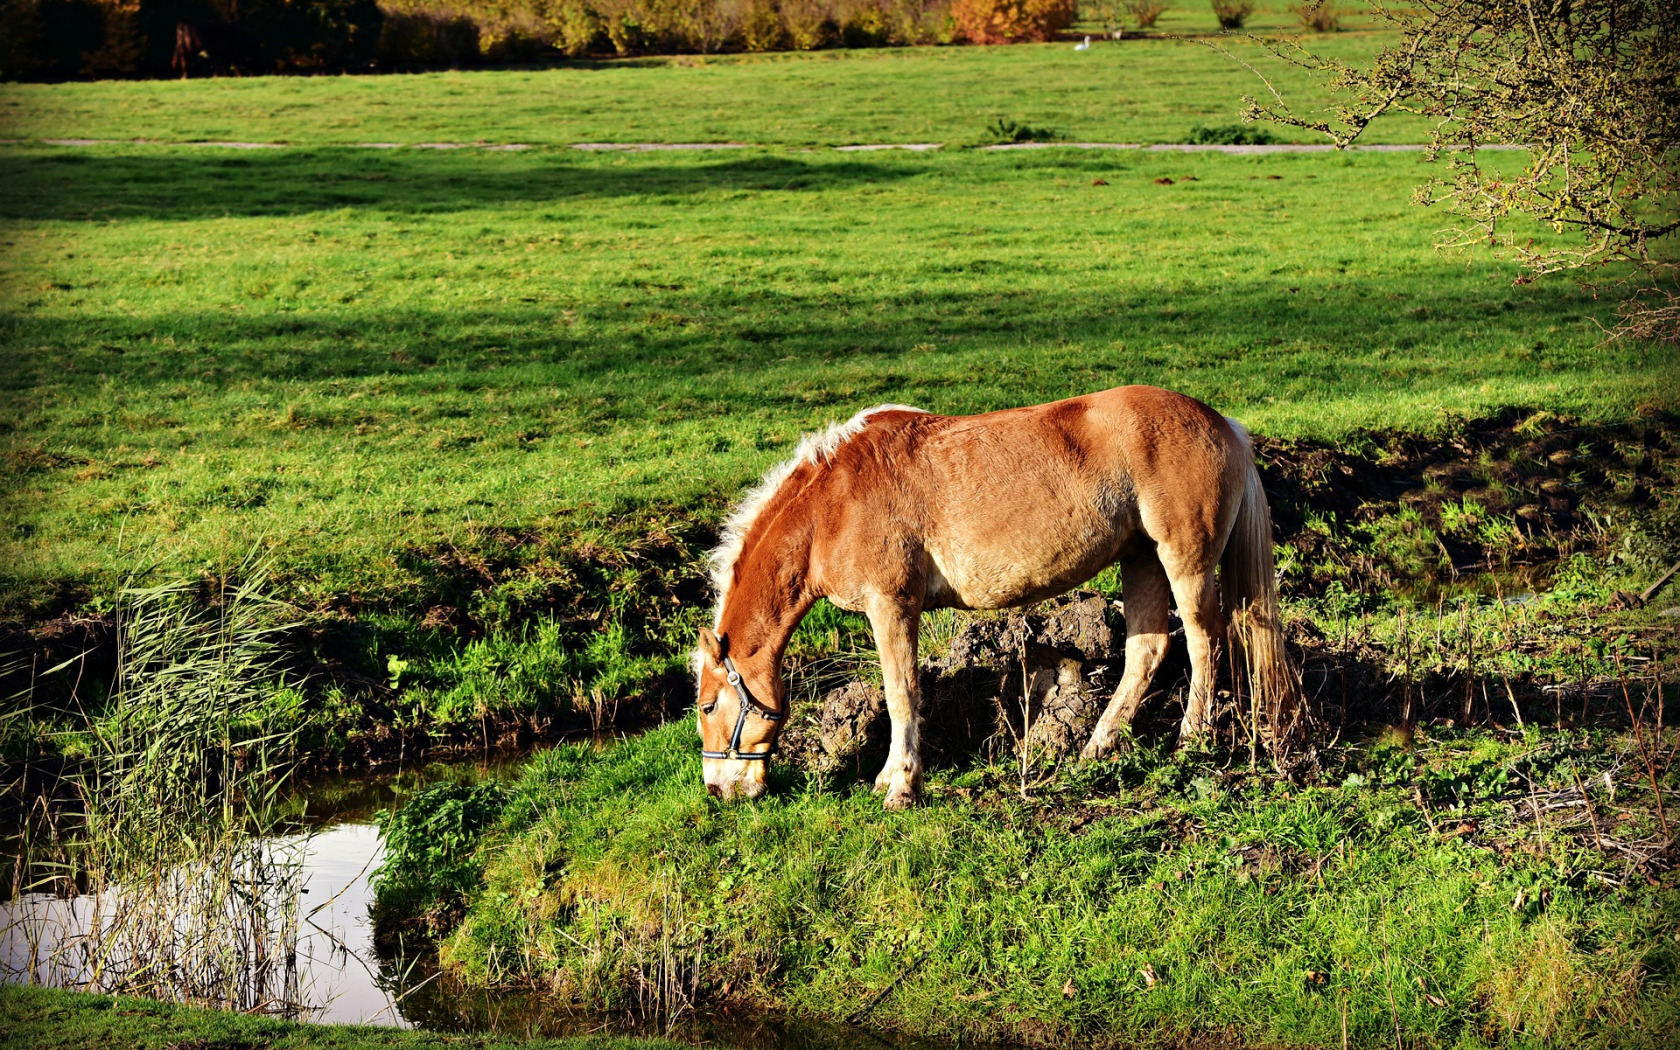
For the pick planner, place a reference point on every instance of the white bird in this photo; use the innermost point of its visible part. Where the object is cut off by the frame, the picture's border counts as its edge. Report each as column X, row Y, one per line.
column 1086, row 46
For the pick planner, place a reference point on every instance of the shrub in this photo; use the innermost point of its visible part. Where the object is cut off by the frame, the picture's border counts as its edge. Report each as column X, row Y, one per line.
column 865, row 24
column 122, row 46
column 322, row 34
column 1011, row 21
column 761, row 26
column 69, row 38
column 1230, row 135
column 806, row 24
column 428, row 38
column 1320, row 17
column 577, row 28
column 701, row 25
column 1232, row 13
column 520, row 38
column 1145, row 12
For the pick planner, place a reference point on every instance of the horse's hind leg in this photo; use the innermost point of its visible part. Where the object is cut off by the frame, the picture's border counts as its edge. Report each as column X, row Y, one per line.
column 896, row 627
column 1143, row 585
column 1198, row 603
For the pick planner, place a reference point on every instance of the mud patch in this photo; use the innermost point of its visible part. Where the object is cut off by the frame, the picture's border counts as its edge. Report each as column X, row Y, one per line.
column 1516, row 491
column 1036, row 679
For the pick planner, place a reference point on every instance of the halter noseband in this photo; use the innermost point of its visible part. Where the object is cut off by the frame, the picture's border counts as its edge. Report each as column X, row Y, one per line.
column 747, row 702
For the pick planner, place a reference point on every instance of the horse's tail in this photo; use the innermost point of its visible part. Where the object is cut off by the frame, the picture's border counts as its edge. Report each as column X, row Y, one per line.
column 1248, row 580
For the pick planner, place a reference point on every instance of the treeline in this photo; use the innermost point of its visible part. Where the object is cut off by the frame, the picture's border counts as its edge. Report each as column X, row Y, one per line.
column 58, row 39
column 64, row 39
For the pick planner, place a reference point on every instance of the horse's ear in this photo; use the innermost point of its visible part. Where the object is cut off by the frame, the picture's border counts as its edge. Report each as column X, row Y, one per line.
column 715, row 647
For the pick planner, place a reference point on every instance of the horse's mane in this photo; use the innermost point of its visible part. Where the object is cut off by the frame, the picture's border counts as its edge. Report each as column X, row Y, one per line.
column 818, row 447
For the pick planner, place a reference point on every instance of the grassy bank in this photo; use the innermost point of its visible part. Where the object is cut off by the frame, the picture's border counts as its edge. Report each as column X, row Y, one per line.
column 1151, row 90
column 1157, row 899
column 480, row 410
column 44, row 1019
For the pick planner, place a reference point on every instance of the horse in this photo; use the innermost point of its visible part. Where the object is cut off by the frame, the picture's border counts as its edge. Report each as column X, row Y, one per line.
column 898, row 511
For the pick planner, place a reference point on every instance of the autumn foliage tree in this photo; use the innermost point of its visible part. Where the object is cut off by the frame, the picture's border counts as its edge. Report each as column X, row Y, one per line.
column 1011, row 21
column 1591, row 88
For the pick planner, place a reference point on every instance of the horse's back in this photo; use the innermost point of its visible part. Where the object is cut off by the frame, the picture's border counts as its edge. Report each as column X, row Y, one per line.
column 1021, row 504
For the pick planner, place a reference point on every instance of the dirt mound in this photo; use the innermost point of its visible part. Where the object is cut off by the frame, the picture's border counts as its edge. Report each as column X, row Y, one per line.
column 1041, row 675
column 1384, row 509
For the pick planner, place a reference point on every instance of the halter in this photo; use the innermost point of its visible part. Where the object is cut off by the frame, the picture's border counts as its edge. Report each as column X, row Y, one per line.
column 748, row 702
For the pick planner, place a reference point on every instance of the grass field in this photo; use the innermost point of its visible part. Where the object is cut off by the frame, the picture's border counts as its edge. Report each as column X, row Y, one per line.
column 448, row 390
column 1152, row 90
column 42, row 1019
column 350, row 358
column 481, row 410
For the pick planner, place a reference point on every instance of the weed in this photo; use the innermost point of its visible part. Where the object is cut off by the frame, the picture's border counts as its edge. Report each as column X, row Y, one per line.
column 1003, row 131
column 428, row 866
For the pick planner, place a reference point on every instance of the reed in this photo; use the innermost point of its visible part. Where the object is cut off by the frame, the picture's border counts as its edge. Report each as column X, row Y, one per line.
column 145, row 870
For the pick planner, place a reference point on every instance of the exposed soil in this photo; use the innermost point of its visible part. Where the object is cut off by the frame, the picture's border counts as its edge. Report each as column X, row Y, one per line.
column 1387, row 510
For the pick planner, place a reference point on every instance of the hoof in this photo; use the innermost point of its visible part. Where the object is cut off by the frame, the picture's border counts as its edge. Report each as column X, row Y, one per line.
column 901, row 799
column 1096, row 749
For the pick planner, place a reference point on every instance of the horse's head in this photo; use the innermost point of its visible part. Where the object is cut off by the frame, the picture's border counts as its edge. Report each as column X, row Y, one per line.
column 740, row 713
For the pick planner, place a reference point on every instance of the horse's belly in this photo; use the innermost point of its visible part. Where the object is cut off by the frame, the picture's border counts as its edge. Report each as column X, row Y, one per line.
column 1034, row 567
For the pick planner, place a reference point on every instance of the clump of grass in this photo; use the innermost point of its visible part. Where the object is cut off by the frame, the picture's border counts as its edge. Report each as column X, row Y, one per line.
column 1003, row 131
column 1230, row 135
column 184, row 738
column 1539, row 983
column 428, row 868
column 1232, row 13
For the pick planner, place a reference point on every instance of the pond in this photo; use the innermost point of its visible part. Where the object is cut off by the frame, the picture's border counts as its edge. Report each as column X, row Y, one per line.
column 333, row 971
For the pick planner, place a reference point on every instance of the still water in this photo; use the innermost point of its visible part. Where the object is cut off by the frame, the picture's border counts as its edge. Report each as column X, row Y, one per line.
column 338, row 975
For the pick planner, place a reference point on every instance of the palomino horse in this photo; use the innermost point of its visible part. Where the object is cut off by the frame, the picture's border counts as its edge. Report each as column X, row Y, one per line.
column 898, row 511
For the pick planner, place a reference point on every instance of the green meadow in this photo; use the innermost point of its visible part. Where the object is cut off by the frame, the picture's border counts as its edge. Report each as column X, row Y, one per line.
column 347, row 357
column 479, row 411
column 1148, row 90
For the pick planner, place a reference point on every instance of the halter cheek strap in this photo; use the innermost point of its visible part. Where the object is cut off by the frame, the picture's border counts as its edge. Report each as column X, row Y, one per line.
column 748, row 702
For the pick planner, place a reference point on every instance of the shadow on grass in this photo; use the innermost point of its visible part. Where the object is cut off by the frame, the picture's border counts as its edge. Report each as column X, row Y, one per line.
column 183, row 184
column 1340, row 337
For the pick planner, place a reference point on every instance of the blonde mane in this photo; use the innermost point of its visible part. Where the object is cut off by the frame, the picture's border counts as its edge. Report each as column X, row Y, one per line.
column 813, row 448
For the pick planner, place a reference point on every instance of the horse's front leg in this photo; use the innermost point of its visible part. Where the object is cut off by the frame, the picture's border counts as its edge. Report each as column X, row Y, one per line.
column 895, row 622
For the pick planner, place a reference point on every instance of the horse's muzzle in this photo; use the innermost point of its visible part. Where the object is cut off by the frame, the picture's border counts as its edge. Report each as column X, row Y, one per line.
column 723, row 782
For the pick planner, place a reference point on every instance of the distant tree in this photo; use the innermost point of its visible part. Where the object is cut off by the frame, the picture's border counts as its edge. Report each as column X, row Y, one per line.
column 1011, row 21
column 1590, row 87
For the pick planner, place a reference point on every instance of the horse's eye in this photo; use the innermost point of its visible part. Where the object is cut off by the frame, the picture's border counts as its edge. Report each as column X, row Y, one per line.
column 709, row 708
